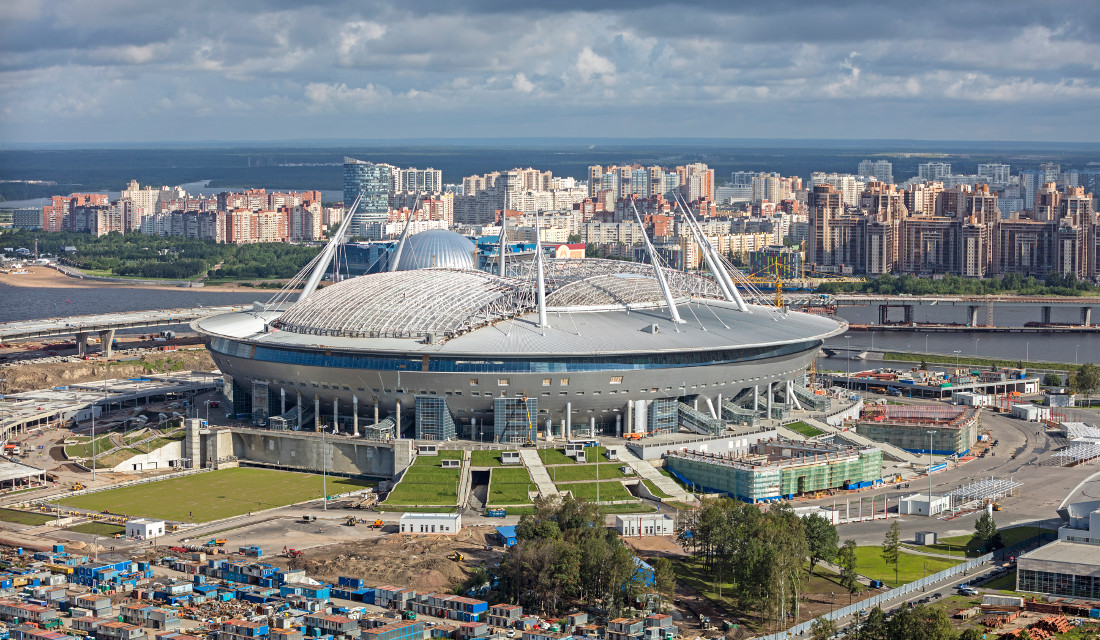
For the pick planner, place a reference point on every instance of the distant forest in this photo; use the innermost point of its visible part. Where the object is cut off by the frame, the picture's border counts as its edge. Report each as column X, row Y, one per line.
column 1053, row 285
column 263, row 166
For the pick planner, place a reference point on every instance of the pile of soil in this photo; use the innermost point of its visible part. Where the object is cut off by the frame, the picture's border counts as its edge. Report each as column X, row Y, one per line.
column 45, row 375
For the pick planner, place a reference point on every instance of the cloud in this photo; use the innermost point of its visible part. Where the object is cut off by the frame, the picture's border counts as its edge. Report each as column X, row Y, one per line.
column 590, row 63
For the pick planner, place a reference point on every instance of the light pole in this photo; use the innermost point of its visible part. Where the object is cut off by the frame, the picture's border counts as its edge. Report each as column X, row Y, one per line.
column 1075, row 348
column 976, row 341
column 926, row 343
column 872, row 341
column 930, row 432
column 957, row 352
column 324, row 473
column 1027, row 352
column 848, row 365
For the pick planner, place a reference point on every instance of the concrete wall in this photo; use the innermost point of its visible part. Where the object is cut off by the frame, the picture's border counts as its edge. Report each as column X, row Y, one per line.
column 155, row 460
column 655, row 448
column 338, row 454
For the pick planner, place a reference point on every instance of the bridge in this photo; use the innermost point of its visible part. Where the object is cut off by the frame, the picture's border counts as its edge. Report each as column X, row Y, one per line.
column 104, row 324
column 974, row 304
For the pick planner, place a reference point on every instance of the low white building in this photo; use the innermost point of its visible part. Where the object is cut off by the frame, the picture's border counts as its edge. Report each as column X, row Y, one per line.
column 919, row 504
column 144, row 528
column 646, row 524
column 971, row 399
column 824, row 512
column 431, row 523
column 1030, row 412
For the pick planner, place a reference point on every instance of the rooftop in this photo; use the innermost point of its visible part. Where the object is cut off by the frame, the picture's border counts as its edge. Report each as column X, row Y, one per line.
column 1070, row 552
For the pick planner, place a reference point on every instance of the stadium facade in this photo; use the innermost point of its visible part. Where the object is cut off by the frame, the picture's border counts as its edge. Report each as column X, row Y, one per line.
column 541, row 348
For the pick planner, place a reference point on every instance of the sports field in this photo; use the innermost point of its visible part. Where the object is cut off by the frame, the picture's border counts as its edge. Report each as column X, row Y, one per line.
column 214, row 495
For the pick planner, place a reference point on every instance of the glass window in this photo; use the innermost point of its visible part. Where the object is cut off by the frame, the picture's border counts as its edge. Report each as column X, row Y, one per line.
column 473, row 382
column 563, row 381
column 546, row 382
column 616, row 379
column 502, row 382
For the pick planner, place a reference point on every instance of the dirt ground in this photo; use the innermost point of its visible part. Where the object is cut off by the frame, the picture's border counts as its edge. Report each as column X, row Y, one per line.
column 418, row 562
column 44, row 375
column 44, row 277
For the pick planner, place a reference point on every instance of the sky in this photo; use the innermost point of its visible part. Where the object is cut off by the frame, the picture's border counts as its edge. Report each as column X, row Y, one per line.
column 134, row 70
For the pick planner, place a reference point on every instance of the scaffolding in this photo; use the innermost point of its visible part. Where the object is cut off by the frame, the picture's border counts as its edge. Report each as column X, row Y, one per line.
column 700, row 422
column 1075, row 454
column 514, row 420
column 1080, row 431
column 977, row 493
column 433, row 419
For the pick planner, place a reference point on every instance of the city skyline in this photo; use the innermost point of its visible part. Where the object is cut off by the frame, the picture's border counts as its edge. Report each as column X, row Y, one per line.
column 119, row 72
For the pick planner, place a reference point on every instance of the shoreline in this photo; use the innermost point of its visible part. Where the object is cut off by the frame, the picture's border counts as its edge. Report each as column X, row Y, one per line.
column 38, row 277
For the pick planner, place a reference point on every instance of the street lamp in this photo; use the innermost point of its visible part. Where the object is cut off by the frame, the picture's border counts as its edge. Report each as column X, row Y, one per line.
column 957, row 352
column 1027, row 352
column 976, row 341
column 926, row 343
column 872, row 341
column 930, row 432
column 1075, row 348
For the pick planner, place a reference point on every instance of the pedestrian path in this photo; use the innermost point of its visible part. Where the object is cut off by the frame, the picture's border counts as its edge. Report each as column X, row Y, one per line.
column 648, row 472
column 539, row 474
column 888, row 450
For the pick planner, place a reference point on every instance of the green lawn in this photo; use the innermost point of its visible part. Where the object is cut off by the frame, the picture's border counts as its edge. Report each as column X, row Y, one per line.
column 84, row 449
column 555, row 456
column 804, row 429
column 98, row 528
column 869, row 562
column 23, row 517
column 654, row 489
column 214, row 495
column 437, row 461
column 610, row 490
column 425, row 483
column 627, row 508
column 116, row 457
column 591, row 454
column 665, row 472
column 579, row 472
column 510, row 486
column 485, row 459
column 1005, row 581
column 414, row 509
column 956, row 545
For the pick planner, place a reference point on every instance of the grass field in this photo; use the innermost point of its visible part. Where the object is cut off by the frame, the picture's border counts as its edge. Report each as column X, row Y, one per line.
column 23, row 517
column 214, row 495
column 911, row 567
column 804, row 429
column 627, row 508
column 426, row 483
column 84, row 449
column 591, row 454
column 414, row 509
column 510, row 486
column 1006, row 581
column 485, row 459
column 957, row 545
column 610, row 490
column 555, row 456
column 437, row 461
column 579, row 472
column 98, row 528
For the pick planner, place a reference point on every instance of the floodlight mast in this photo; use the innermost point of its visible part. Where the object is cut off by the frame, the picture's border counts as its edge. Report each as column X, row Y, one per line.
column 327, row 252
column 404, row 235
column 708, row 249
column 700, row 239
column 503, row 271
column 540, row 274
column 657, row 268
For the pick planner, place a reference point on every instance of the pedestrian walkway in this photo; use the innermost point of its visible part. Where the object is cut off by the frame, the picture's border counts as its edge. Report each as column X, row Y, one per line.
column 888, row 450
column 539, row 474
column 464, row 479
column 648, row 472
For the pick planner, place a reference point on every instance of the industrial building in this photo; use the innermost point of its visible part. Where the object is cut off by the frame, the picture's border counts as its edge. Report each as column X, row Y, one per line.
column 779, row 469
column 537, row 349
column 646, row 524
column 944, row 431
column 448, row 523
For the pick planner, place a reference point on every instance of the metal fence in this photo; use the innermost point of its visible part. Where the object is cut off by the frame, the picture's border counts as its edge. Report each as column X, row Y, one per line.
column 874, row 601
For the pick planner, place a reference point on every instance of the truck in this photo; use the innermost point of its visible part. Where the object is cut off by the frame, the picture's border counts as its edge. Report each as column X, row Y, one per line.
column 893, row 391
column 496, row 513
column 408, row 615
column 877, row 390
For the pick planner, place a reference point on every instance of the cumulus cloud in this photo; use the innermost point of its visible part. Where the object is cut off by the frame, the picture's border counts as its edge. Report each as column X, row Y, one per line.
column 782, row 68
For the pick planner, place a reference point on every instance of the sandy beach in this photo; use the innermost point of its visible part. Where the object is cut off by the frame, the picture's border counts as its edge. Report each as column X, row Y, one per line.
column 46, row 278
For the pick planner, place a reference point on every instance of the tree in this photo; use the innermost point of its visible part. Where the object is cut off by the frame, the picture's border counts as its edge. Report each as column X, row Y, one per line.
column 874, row 625
column 1024, row 635
column 985, row 529
column 664, row 580
column 846, row 559
column 891, row 547
column 973, row 633
column 821, row 539
column 822, row 629
column 920, row 623
column 1084, row 380
column 1052, row 380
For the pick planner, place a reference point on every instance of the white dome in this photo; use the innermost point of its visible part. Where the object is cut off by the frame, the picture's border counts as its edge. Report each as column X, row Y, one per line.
column 437, row 249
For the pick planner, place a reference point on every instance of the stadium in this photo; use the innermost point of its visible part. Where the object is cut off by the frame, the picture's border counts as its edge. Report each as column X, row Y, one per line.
column 541, row 348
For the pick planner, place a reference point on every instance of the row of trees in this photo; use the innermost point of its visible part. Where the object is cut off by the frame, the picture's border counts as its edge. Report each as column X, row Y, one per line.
column 1054, row 284
column 918, row 623
column 565, row 555
column 762, row 556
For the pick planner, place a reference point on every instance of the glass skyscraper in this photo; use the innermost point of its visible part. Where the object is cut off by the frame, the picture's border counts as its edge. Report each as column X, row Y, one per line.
column 373, row 182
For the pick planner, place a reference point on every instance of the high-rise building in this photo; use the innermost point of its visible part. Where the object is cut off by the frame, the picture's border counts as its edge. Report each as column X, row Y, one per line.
column 882, row 170
column 428, row 180
column 846, row 184
column 995, row 173
column 371, row 181
column 933, row 170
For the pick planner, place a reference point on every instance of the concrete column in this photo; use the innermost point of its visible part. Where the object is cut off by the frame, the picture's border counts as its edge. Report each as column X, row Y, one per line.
column 972, row 315
column 630, row 416
column 695, row 403
column 568, row 420
column 883, row 310
column 769, row 400
column 397, row 429
column 755, row 398
column 336, row 415
column 282, row 402
column 1046, row 314
column 619, row 425
column 355, row 416
column 549, row 435
column 376, row 411
column 299, row 410
column 592, row 426
column 82, row 343
column 473, row 430
column 105, row 338
column 316, row 412
column 561, row 428
column 719, row 405
column 1086, row 316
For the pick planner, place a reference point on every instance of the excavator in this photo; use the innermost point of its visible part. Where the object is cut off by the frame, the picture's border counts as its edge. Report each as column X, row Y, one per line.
column 456, row 556
column 351, row 521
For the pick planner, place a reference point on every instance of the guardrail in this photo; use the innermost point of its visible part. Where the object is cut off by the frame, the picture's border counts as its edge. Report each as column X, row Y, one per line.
column 877, row 600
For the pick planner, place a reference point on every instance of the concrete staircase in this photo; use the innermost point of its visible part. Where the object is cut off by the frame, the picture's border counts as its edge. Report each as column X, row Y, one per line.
column 465, row 480
column 645, row 470
column 889, row 451
column 539, row 474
